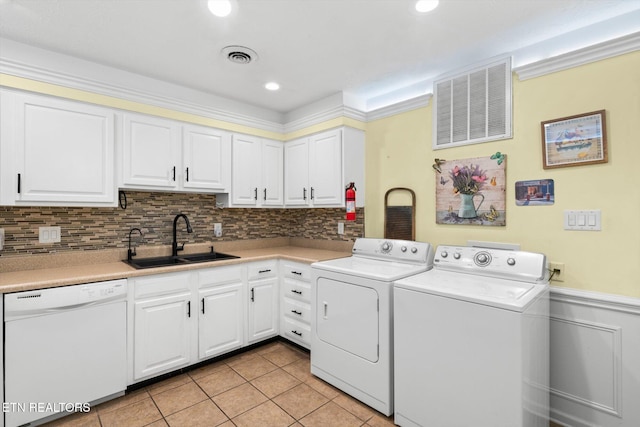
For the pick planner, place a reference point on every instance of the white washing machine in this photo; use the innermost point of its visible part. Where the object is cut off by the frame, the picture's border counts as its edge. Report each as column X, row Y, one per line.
column 352, row 316
column 471, row 341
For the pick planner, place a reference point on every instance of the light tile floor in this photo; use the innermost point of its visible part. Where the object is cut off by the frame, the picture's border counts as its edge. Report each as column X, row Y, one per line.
column 268, row 386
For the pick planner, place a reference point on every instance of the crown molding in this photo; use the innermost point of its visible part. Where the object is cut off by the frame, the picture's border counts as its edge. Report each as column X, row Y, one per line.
column 597, row 52
column 399, row 107
column 309, row 120
column 44, row 75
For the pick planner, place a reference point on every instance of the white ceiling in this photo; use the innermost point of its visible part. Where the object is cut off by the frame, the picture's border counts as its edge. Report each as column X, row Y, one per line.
column 367, row 49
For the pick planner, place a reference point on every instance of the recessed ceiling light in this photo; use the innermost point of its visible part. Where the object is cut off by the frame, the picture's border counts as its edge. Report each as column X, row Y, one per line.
column 220, row 8
column 272, row 86
column 424, row 6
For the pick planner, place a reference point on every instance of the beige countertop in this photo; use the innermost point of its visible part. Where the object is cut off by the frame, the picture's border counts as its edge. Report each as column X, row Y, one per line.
column 53, row 270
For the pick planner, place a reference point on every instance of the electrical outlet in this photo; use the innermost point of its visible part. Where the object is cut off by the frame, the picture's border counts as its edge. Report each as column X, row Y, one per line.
column 557, row 271
column 49, row 234
column 341, row 228
column 1, row 239
column 217, row 229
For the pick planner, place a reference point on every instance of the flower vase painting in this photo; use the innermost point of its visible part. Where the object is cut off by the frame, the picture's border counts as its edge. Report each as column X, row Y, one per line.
column 472, row 191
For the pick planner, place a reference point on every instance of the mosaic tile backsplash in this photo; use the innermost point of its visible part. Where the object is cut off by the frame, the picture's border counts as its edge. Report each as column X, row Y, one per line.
column 153, row 213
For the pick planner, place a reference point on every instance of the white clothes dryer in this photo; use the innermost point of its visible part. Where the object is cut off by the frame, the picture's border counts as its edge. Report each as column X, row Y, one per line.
column 471, row 341
column 352, row 313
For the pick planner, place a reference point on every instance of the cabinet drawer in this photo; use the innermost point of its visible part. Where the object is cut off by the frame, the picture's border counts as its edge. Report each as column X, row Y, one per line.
column 296, row 271
column 296, row 310
column 296, row 289
column 219, row 276
column 297, row 331
column 160, row 284
column 262, row 270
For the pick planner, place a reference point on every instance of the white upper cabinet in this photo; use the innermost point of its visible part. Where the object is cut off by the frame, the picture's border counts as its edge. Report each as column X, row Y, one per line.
column 257, row 176
column 272, row 173
column 319, row 167
column 55, row 152
column 296, row 172
column 325, row 168
column 206, row 158
column 151, row 152
column 163, row 154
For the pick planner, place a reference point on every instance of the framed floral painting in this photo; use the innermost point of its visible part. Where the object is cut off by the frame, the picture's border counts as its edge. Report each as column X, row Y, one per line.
column 471, row 191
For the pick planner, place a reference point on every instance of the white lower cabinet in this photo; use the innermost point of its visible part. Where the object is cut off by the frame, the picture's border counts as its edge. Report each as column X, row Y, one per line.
column 262, row 317
column 183, row 318
column 221, row 310
column 295, row 292
column 162, row 324
column 178, row 319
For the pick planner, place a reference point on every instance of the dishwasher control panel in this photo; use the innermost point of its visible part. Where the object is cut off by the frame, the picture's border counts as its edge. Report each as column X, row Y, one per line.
column 42, row 301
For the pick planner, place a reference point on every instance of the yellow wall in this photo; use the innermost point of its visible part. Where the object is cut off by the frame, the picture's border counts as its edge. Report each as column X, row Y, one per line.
column 399, row 154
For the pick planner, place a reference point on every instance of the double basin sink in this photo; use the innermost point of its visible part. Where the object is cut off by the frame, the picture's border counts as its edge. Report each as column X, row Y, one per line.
column 164, row 261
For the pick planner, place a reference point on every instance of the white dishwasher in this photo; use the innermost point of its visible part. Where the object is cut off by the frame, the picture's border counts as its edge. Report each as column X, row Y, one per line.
column 64, row 348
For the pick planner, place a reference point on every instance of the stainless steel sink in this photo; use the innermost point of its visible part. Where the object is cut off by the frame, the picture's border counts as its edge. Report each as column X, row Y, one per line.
column 177, row 260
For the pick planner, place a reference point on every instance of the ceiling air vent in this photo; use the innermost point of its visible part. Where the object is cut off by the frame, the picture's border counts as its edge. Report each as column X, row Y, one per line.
column 473, row 106
column 239, row 54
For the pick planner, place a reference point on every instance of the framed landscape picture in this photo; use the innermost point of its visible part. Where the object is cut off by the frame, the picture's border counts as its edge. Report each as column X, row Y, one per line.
column 574, row 140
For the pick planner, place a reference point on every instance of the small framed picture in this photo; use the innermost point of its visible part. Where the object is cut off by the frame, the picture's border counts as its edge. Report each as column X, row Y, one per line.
column 574, row 140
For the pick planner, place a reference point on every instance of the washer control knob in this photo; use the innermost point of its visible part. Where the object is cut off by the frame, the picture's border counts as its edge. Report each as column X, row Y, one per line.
column 414, row 250
column 511, row 261
column 457, row 255
column 482, row 259
column 444, row 254
column 386, row 247
column 403, row 249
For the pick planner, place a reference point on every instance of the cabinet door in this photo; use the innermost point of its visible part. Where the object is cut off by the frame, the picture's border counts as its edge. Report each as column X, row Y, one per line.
column 206, row 158
column 151, row 154
column 296, row 173
column 246, row 170
column 263, row 309
column 325, row 168
column 221, row 320
column 161, row 334
column 272, row 173
column 62, row 151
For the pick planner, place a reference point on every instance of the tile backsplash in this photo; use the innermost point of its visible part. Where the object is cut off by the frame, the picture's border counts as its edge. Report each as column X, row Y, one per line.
column 108, row 228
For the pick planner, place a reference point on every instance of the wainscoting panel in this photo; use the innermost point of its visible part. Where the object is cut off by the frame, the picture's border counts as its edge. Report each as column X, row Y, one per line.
column 595, row 359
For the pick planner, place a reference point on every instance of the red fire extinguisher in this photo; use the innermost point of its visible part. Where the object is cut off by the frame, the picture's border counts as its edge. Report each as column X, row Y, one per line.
column 351, row 202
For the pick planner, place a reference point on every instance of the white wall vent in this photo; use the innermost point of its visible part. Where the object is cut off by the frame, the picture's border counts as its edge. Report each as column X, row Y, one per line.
column 473, row 106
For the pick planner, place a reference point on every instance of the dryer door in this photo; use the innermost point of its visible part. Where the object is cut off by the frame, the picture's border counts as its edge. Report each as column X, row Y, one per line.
column 347, row 317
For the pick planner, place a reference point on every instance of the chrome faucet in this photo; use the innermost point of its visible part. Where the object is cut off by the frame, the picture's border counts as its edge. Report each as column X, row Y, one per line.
column 132, row 252
column 174, row 246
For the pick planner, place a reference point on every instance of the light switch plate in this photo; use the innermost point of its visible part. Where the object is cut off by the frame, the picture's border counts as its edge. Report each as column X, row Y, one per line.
column 583, row 220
